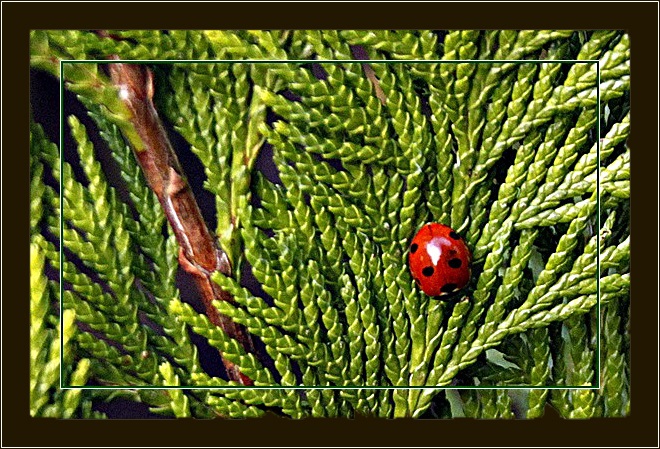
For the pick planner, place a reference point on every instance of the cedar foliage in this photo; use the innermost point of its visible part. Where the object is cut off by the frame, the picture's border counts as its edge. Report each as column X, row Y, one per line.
column 504, row 152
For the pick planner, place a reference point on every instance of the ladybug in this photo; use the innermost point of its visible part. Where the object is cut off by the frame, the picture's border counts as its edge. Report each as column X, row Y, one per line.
column 439, row 260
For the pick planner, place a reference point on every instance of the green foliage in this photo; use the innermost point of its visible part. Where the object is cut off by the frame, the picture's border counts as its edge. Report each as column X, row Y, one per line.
column 53, row 337
column 507, row 153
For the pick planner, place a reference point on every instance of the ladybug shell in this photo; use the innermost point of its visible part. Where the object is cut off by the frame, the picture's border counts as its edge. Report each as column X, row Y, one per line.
column 439, row 260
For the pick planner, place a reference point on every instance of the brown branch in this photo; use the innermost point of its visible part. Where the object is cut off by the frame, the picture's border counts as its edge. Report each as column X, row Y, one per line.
column 359, row 52
column 199, row 254
column 369, row 72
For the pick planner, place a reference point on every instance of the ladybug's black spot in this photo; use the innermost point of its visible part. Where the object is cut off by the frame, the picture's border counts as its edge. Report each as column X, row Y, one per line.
column 413, row 248
column 454, row 235
column 448, row 288
column 428, row 271
column 455, row 263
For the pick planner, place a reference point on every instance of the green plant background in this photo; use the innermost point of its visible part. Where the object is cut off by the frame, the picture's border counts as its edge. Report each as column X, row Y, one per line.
column 504, row 152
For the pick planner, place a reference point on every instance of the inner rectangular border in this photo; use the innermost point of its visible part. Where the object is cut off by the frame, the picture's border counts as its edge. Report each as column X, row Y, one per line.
column 335, row 61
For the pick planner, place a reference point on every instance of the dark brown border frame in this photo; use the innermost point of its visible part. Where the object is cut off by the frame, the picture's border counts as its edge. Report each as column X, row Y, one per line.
column 639, row 429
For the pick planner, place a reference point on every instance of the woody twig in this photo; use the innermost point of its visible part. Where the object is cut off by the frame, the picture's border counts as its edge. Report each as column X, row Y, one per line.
column 199, row 254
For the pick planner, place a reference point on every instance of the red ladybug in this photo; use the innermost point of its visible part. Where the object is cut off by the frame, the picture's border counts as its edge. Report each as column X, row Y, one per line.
column 439, row 260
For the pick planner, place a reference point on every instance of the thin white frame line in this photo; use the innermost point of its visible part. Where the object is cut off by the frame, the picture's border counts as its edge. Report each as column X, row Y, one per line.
column 334, row 61
column 598, row 234
column 265, row 387
column 61, row 222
